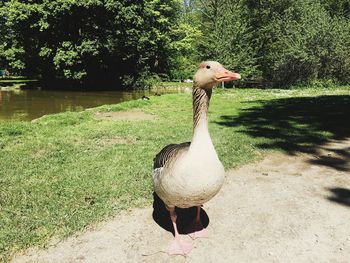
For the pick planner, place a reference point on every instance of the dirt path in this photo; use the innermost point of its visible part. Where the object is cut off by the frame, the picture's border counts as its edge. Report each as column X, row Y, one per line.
column 282, row 209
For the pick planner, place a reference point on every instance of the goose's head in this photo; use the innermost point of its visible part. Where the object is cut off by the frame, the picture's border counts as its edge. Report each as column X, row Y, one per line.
column 211, row 73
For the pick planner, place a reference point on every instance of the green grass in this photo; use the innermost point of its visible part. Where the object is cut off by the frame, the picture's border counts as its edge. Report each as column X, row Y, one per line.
column 15, row 82
column 66, row 171
column 172, row 85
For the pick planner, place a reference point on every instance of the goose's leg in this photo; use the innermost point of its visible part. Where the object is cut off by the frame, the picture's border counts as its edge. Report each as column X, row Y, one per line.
column 178, row 246
column 199, row 230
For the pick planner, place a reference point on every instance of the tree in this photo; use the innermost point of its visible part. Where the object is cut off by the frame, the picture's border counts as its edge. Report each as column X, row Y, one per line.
column 227, row 37
column 299, row 41
column 121, row 43
column 185, row 35
column 94, row 43
column 339, row 8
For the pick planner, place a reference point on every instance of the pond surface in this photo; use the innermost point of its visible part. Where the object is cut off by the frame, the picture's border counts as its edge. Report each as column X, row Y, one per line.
column 31, row 104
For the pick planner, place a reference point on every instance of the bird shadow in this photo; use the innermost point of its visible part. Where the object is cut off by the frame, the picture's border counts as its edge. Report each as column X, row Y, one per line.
column 340, row 196
column 185, row 217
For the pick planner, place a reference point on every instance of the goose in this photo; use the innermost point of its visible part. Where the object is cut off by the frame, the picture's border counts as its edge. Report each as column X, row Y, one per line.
column 190, row 174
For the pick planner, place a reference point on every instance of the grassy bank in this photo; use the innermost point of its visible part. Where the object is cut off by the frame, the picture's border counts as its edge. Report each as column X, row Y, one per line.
column 66, row 171
column 15, row 83
column 171, row 85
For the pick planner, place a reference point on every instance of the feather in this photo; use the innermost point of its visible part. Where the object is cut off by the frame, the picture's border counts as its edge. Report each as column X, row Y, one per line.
column 169, row 153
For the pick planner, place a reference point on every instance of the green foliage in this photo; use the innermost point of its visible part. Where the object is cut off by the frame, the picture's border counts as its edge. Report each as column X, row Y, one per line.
column 124, row 43
column 279, row 42
column 185, row 35
column 90, row 42
column 185, row 55
column 337, row 7
column 228, row 36
column 300, row 41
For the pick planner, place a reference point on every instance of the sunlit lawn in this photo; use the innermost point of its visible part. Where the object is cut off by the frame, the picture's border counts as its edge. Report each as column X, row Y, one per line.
column 66, row 171
column 15, row 82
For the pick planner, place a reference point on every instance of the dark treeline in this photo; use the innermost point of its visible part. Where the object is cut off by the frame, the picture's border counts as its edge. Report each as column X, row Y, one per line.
column 121, row 43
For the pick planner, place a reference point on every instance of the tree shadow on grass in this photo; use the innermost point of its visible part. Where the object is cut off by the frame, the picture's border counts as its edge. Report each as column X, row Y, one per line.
column 340, row 196
column 297, row 124
column 185, row 216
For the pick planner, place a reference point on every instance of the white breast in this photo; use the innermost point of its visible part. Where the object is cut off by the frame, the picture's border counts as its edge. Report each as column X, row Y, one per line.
column 194, row 179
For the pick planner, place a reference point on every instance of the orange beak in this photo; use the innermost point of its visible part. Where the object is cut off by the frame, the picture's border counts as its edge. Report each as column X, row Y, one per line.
column 226, row 75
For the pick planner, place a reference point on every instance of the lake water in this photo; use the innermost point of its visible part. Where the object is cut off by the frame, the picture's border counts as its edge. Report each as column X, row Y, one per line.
column 31, row 104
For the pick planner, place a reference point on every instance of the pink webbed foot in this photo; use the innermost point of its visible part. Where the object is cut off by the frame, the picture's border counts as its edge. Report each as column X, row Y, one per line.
column 199, row 234
column 197, row 230
column 180, row 247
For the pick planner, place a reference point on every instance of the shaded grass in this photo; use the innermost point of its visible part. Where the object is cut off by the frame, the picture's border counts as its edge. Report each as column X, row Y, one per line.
column 56, row 177
column 295, row 124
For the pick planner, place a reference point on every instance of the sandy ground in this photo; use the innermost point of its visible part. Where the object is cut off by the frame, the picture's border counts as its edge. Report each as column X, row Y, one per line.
column 129, row 115
column 282, row 209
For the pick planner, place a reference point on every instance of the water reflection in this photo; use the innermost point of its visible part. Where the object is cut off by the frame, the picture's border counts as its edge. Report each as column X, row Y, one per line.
column 32, row 104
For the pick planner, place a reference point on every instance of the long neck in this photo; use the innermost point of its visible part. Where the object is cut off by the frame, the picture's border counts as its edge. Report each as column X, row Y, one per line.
column 201, row 98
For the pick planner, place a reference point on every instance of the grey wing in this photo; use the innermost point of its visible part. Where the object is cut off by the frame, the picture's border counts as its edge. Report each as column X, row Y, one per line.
column 167, row 153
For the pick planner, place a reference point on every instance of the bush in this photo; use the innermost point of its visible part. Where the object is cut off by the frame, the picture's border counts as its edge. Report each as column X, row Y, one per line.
column 301, row 42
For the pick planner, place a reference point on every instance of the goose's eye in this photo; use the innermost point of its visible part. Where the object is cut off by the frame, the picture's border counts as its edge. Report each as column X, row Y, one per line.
column 208, row 67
